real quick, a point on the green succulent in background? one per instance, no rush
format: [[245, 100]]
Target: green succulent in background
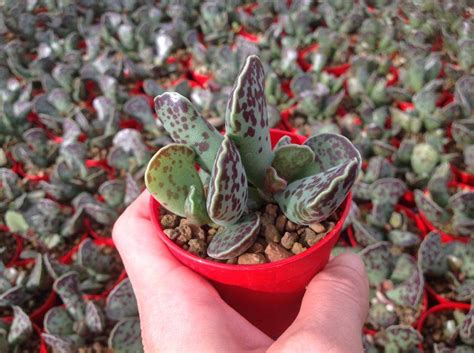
[[451, 263], [292, 175], [18, 332], [450, 209]]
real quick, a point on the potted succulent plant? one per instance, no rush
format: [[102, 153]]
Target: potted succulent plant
[[396, 338], [447, 268], [446, 206], [247, 202], [397, 287], [447, 327]]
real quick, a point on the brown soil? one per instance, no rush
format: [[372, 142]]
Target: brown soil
[[278, 238], [444, 286], [433, 328], [31, 345], [94, 348]]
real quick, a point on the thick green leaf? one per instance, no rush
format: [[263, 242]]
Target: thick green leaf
[[125, 337], [290, 160]]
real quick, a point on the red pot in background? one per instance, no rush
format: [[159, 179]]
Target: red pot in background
[[268, 295], [448, 306], [446, 237], [462, 176], [398, 208]]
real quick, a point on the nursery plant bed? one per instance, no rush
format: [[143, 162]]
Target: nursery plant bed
[[268, 294]]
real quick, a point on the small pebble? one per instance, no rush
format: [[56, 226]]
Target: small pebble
[[271, 234], [197, 246], [257, 247], [169, 221], [280, 223], [276, 252], [290, 226], [317, 227], [251, 259], [297, 248], [288, 240], [311, 238]]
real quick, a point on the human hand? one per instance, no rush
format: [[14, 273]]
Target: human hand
[[181, 312]]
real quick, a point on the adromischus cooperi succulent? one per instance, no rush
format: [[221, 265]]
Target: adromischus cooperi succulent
[[309, 182], [450, 209]]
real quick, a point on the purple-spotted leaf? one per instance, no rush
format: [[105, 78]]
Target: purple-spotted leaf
[[430, 209], [21, 327], [195, 207], [126, 337], [424, 159], [60, 344], [378, 262], [246, 120], [232, 241], [290, 160], [378, 168], [330, 150], [169, 176], [365, 234], [14, 296], [462, 225], [272, 182], [438, 184], [138, 107], [410, 292], [463, 132], [186, 126], [463, 203], [113, 192], [315, 198], [405, 338], [57, 321], [387, 190], [89, 256], [283, 141], [132, 189], [38, 278], [405, 265], [382, 148], [67, 287], [95, 320], [464, 290], [228, 193], [431, 256], [121, 302]]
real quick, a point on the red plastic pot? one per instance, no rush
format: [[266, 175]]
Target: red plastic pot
[[398, 208], [462, 176], [448, 306], [268, 295], [446, 237]]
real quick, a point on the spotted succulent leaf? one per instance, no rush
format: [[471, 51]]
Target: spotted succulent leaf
[[233, 240], [21, 327], [403, 238], [432, 211], [227, 195], [463, 203], [365, 234], [113, 192], [246, 120], [67, 287], [378, 262], [94, 318], [126, 336], [121, 302], [405, 265], [57, 321], [283, 141], [378, 168], [330, 150], [289, 160], [89, 256], [405, 338], [463, 132], [60, 344], [170, 174], [431, 257], [466, 331], [438, 184], [387, 190], [139, 108], [424, 159], [410, 292], [14, 296], [315, 198], [186, 126], [379, 317]]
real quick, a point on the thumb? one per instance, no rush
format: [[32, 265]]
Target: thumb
[[333, 310]]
